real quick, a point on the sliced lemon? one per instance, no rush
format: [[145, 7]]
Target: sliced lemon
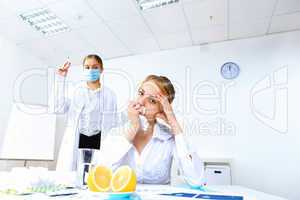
[[123, 180], [99, 179]]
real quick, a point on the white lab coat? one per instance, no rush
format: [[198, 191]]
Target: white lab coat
[[67, 157]]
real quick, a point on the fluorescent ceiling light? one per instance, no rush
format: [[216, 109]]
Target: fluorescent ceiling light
[[44, 21], [148, 4]]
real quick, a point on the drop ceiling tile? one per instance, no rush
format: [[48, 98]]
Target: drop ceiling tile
[[47, 2], [165, 20], [114, 9], [18, 31], [248, 29], [209, 34], [287, 6], [134, 34], [104, 41], [174, 40], [250, 10], [80, 15], [20, 7], [142, 45], [39, 48], [188, 1], [206, 12], [130, 28], [285, 22], [5, 11], [72, 42]]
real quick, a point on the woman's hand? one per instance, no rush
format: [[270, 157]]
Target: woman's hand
[[134, 109], [168, 115], [63, 70]]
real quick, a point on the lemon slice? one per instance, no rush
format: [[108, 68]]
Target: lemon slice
[[123, 180], [99, 179]]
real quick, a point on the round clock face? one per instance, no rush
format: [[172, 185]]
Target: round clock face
[[230, 70]]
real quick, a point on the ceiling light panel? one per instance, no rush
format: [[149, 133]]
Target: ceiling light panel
[[149, 4], [44, 21]]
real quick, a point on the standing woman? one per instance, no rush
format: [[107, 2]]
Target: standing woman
[[91, 109]]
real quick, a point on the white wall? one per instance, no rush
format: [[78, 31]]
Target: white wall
[[14, 63], [263, 158]]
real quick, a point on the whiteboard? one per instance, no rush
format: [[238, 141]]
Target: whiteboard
[[30, 133]]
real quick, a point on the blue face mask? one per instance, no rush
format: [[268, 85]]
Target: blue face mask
[[91, 74]]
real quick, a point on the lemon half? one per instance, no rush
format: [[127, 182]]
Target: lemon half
[[123, 180], [99, 179]]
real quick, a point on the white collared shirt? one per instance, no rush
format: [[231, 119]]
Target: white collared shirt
[[153, 165]]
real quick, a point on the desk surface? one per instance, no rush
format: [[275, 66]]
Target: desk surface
[[151, 192], [248, 194]]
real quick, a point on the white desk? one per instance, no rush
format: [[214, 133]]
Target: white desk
[[149, 192], [248, 194]]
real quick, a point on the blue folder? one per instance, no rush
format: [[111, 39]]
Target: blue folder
[[204, 196]]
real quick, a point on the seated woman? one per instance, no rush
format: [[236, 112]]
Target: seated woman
[[151, 138]]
